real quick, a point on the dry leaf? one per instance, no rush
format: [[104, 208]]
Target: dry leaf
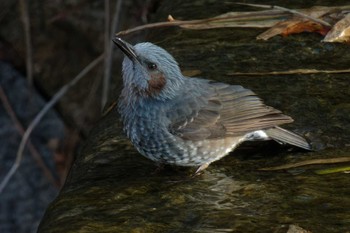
[[340, 31], [260, 19], [293, 26], [304, 26], [315, 19], [320, 11]]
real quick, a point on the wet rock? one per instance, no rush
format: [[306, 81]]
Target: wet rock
[[112, 188]]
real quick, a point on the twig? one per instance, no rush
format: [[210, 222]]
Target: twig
[[308, 162], [108, 53], [109, 50], [163, 24], [172, 22], [320, 21], [236, 16], [296, 71], [28, 42], [33, 151], [40, 115]]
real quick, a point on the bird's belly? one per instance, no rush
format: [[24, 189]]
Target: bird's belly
[[210, 150], [170, 149]]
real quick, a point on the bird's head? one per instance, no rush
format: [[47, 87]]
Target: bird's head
[[149, 70]]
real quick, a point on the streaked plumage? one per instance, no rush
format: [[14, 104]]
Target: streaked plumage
[[185, 121]]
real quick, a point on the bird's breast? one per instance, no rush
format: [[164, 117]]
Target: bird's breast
[[142, 121]]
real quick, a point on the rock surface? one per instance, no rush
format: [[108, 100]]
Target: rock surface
[[111, 188]]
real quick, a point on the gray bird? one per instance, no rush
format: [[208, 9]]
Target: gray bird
[[183, 121]]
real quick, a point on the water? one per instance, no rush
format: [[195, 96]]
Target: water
[[112, 188]]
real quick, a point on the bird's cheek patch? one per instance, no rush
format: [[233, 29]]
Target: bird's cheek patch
[[156, 83]]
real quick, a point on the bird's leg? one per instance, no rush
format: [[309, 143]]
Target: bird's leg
[[201, 168]]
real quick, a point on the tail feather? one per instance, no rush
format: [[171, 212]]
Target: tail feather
[[285, 136]]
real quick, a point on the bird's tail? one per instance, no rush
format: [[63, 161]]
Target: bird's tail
[[286, 136]]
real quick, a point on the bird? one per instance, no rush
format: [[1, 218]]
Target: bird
[[189, 121]]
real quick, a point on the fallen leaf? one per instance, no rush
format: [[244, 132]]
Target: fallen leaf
[[280, 20], [260, 19], [293, 26], [340, 31], [305, 26]]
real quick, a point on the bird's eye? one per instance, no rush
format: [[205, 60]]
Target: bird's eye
[[151, 66]]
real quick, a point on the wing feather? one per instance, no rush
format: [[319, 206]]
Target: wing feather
[[217, 110]]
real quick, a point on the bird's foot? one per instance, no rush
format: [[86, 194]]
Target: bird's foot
[[201, 168]]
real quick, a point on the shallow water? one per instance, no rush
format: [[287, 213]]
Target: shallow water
[[111, 188]]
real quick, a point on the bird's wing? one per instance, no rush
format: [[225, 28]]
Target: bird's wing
[[221, 110], [243, 112]]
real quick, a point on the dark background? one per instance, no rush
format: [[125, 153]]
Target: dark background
[[65, 37]]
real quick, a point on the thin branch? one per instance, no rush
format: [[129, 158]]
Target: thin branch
[[107, 73], [33, 151], [308, 162], [172, 22], [320, 21], [296, 71], [109, 51], [163, 24], [28, 41], [40, 115], [275, 12], [10, 111]]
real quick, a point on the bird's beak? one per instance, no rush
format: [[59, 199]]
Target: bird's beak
[[126, 48]]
